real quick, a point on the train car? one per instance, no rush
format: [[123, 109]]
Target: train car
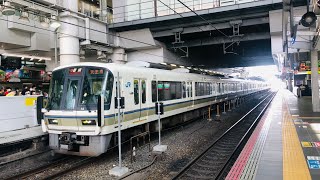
[[72, 120]]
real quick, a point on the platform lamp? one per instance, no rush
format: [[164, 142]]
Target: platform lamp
[[24, 16], [8, 10], [54, 22], [44, 21], [309, 18]]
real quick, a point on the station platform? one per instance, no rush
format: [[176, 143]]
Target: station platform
[[20, 135], [284, 145]]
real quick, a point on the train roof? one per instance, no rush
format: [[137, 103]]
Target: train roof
[[127, 68]]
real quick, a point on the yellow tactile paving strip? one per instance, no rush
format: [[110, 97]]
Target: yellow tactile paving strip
[[294, 162]]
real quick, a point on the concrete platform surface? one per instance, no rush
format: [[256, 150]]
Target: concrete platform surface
[[285, 143]]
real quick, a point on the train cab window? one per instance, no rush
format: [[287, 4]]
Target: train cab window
[[143, 93], [56, 89], [93, 83], [71, 94], [136, 91]]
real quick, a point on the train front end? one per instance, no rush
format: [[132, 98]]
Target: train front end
[[71, 117]]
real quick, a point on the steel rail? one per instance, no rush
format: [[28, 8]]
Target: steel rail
[[40, 169]]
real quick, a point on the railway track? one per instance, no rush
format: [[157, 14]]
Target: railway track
[[214, 160], [54, 169]]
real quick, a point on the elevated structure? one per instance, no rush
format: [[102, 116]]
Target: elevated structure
[[235, 33]]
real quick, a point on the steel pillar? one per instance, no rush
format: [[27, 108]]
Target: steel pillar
[[224, 108], [315, 81], [229, 104], [68, 36], [218, 110]]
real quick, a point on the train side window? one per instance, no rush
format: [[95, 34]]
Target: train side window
[[222, 88], [167, 91], [201, 88], [154, 91], [184, 90], [205, 89], [143, 93], [108, 92], [189, 86], [197, 89], [160, 91], [213, 88], [178, 90], [190, 92], [136, 91]]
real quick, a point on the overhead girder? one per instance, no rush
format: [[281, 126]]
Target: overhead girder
[[224, 25], [220, 40]]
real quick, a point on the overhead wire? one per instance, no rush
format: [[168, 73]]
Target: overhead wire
[[176, 12], [204, 19]]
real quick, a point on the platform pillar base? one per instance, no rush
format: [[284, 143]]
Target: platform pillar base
[[160, 148], [117, 171]]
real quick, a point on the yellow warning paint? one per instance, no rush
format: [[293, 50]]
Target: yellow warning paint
[[294, 162], [306, 144], [30, 101]]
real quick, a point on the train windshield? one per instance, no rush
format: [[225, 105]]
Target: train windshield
[[78, 88]]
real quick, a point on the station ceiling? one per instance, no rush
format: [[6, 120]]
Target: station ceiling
[[206, 41]]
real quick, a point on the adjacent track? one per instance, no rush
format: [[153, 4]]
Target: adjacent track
[[54, 169], [212, 162]]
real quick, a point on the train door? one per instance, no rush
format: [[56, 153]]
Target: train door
[[121, 94], [140, 98], [189, 92]]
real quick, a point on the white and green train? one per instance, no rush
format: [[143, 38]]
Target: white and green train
[[72, 119]]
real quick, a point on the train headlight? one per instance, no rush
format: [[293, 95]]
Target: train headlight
[[88, 122], [53, 121]]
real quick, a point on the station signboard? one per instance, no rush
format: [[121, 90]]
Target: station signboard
[[313, 162]]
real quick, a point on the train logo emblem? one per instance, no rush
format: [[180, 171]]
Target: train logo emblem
[[128, 84]]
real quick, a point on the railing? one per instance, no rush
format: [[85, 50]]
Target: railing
[[155, 8], [143, 9]]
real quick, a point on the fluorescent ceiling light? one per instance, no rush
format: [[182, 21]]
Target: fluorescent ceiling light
[[24, 16], [54, 22], [8, 9]]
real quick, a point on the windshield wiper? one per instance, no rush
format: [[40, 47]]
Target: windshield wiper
[[87, 106], [50, 101]]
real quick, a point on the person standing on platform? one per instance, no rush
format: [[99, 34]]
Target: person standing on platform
[[8, 90], [2, 91], [25, 89]]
